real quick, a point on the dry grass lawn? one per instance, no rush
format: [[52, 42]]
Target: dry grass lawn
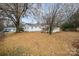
[[38, 44]]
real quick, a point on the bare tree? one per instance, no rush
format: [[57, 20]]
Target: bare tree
[[1, 28], [57, 14], [1, 25], [74, 19], [14, 12], [51, 16]]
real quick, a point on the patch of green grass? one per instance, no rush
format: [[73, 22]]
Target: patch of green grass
[[12, 52]]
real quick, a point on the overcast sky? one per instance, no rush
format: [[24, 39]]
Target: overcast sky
[[45, 8]]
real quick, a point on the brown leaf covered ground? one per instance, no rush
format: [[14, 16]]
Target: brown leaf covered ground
[[37, 44]]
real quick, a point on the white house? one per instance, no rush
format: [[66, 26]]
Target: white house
[[56, 29], [30, 28], [9, 29]]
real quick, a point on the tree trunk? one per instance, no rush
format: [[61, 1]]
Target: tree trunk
[[50, 29], [17, 19], [17, 27]]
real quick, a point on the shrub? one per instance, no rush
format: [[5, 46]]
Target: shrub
[[68, 27]]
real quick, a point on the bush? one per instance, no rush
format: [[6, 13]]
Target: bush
[[68, 27]]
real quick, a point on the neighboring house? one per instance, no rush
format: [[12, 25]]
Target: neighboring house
[[30, 28], [9, 29], [56, 29]]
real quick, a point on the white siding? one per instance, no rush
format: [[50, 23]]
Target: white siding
[[10, 29], [33, 29], [30, 29], [57, 29]]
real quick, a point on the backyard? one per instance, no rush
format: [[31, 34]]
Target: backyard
[[38, 44]]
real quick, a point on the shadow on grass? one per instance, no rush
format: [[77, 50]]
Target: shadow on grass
[[2, 37], [75, 44]]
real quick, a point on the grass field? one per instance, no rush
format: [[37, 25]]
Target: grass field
[[38, 44]]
